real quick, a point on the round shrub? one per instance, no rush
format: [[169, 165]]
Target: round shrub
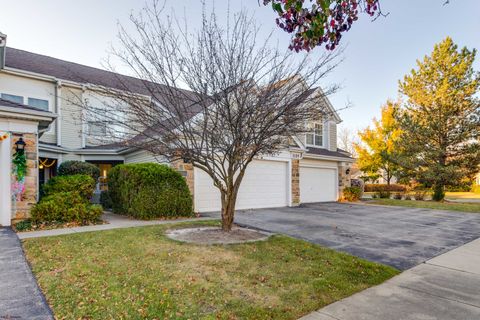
[[106, 200], [148, 191], [65, 207], [73, 167], [82, 184], [352, 193]]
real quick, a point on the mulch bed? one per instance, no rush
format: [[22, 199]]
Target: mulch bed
[[215, 235]]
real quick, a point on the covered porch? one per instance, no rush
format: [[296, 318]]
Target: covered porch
[[20, 128]]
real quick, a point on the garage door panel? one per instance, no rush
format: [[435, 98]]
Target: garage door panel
[[318, 184], [264, 185]]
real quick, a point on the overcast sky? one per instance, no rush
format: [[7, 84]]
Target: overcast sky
[[377, 53]]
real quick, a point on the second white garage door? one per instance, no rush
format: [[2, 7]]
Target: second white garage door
[[318, 184], [265, 185]]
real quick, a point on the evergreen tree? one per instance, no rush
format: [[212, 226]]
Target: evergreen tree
[[440, 120]]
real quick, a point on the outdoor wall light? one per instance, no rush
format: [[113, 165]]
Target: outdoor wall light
[[20, 145], [347, 171]]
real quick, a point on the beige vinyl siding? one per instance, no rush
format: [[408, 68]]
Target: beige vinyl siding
[[31, 88], [142, 156], [50, 137], [332, 136], [71, 119]]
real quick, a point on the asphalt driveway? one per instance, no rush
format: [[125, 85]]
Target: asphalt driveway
[[20, 296], [396, 236]]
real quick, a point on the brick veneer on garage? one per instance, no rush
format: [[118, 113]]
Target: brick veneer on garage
[[344, 179], [295, 182], [21, 209]]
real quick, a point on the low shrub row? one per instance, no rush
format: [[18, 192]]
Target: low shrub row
[[352, 193], [384, 187], [148, 191], [65, 207], [67, 199], [417, 195]]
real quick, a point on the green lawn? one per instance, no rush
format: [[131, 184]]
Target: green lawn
[[453, 206], [462, 195], [138, 273]]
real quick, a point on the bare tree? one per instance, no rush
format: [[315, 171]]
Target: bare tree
[[347, 139], [217, 97]]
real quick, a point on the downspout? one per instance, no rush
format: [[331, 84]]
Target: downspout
[[58, 111], [3, 50]]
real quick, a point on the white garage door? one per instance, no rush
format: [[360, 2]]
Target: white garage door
[[265, 185], [318, 184]]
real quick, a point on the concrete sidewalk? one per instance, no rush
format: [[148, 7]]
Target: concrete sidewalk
[[445, 287], [115, 221], [20, 296]]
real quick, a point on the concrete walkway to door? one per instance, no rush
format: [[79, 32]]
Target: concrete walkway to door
[[20, 296], [445, 287]]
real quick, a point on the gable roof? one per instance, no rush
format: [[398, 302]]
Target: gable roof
[[71, 71]]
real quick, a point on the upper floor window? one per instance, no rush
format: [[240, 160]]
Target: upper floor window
[[97, 128], [12, 98], [315, 136], [38, 103]]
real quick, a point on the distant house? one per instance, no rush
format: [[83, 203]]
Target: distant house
[[34, 88]]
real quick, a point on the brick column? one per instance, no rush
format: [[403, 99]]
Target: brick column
[[186, 170], [344, 179], [295, 176], [21, 208]]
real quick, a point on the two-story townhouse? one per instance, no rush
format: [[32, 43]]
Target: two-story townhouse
[[313, 170]]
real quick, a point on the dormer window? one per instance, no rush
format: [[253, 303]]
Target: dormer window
[[315, 136]]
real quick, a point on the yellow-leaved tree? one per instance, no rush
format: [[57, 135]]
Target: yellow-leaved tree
[[377, 153]]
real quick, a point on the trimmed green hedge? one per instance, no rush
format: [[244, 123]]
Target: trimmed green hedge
[[82, 184], [148, 191], [73, 167], [65, 207], [384, 188]]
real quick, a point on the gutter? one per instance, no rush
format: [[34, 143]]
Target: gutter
[[320, 157], [59, 149]]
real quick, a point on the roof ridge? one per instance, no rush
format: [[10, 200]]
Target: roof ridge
[[75, 63]]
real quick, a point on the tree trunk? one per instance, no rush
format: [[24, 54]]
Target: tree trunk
[[438, 192], [229, 200]]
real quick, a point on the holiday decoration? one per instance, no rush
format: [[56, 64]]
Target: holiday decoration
[[19, 170], [3, 136]]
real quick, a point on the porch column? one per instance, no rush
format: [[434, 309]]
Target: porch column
[[5, 182]]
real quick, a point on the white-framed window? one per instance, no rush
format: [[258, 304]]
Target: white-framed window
[[315, 135], [38, 103], [97, 128], [12, 98]]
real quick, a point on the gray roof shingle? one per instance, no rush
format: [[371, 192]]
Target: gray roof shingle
[[325, 152]]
